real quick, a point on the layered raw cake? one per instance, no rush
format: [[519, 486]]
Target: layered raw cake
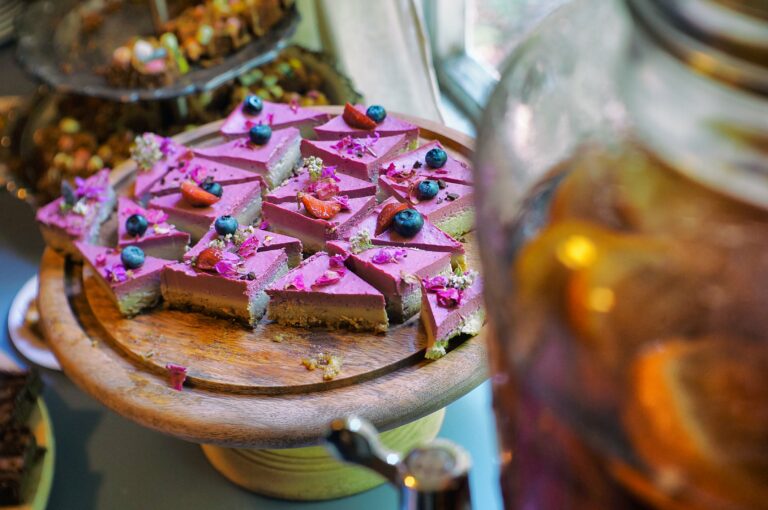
[[78, 214], [154, 156], [449, 205], [224, 283], [201, 170], [261, 239], [149, 230], [276, 115], [354, 124], [428, 238], [416, 164], [132, 282], [273, 160], [451, 306], [192, 209], [395, 272], [316, 221], [323, 292], [315, 178], [358, 157]]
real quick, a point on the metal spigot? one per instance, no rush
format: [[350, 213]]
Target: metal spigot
[[431, 477]]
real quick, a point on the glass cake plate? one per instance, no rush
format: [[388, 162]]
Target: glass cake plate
[[48, 46]]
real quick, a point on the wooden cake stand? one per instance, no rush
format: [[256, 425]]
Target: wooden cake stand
[[256, 411]]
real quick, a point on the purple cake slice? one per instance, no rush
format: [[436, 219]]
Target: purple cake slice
[[395, 272], [429, 238], [296, 221], [153, 234], [274, 161], [263, 240], [155, 156], [451, 209], [78, 214], [277, 115], [322, 292], [414, 164], [451, 306], [243, 201], [337, 128], [358, 157], [317, 179], [199, 169], [132, 290], [224, 283]]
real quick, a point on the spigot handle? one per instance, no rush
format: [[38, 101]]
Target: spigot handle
[[356, 441]]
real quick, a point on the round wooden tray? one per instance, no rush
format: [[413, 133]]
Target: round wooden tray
[[247, 390]]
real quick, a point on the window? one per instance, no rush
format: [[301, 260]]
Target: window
[[471, 40]]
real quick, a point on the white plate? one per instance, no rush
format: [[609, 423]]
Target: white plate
[[26, 341]]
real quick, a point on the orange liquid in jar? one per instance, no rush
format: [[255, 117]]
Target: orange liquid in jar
[[635, 374]]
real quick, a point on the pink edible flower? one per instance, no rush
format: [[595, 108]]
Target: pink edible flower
[[388, 256], [448, 298], [293, 104], [327, 278], [436, 283], [270, 118], [264, 225], [329, 172], [116, 273], [178, 375], [297, 283], [343, 201], [400, 174], [166, 146], [156, 216], [101, 259], [249, 247]]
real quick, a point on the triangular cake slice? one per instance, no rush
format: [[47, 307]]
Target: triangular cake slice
[[155, 156], [414, 163], [429, 238], [295, 220], [451, 307], [243, 201], [274, 161], [199, 169], [161, 239], [452, 209], [311, 182], [337, 128], [322, 292], [358, 157], [224, 283], [263, 240], [395, 272], [78, 214], [132, 290], [277, 115]]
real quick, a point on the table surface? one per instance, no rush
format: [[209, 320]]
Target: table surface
[[106, 461]]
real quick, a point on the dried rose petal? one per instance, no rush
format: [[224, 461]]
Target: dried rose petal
[[264, 225], [436, 283], [227, 268], [388, 256], [198, 174], [324, 189], [178, 374], [343, 201], [248, 247], [155, 216], [101, 259], [329, 172], [448, 298], [327, 278], [297, 283]]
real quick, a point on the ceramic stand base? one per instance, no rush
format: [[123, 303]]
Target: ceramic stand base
[[311, 474]]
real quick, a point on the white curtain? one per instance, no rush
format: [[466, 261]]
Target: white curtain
[[382, 45]]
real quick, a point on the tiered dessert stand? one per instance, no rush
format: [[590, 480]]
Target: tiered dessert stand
[[256, 411]]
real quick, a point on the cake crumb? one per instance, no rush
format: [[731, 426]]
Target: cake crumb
[[330, 363]]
